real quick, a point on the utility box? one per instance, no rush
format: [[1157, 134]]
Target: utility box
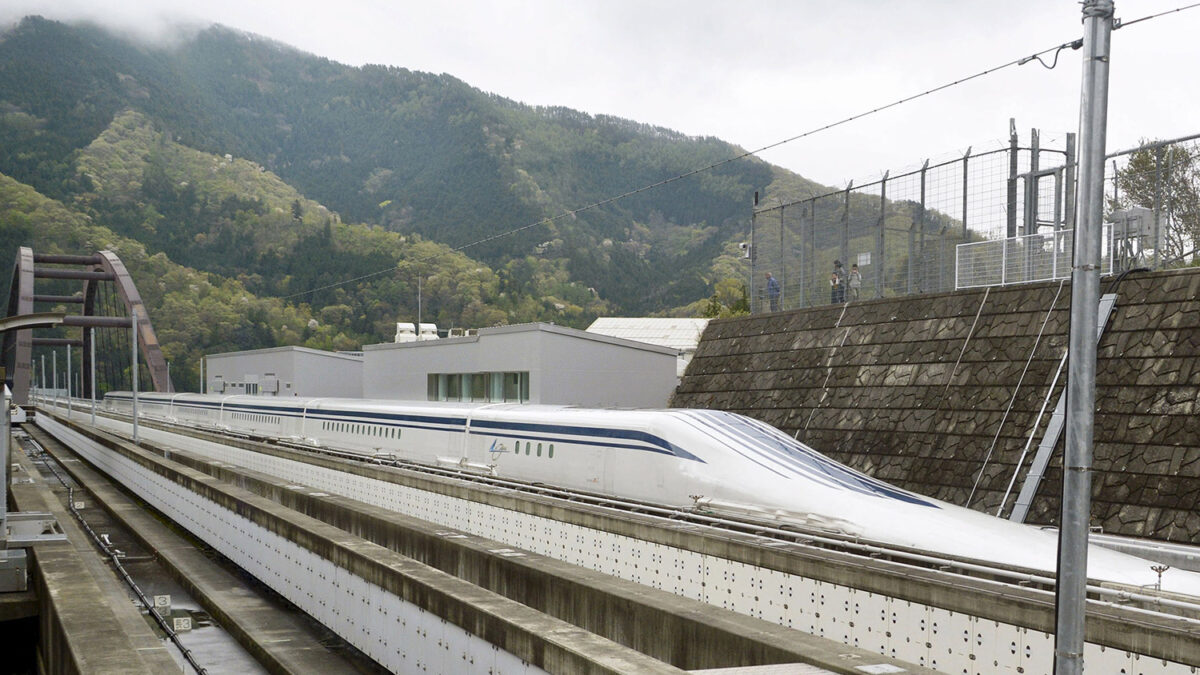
[[405, 332]]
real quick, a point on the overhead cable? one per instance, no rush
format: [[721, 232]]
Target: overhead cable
[[1074, 44]]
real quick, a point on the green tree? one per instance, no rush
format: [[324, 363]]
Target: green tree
[[1168, 178], [729, 298]]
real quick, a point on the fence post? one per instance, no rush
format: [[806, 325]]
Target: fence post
[[921, 287], [845, 257], [1014, 151], [812, 239], [1031, 204], [783, 287], [1158, 175], [750, 252], [911, 246], [880, 264], [966, 190], [800, 252]]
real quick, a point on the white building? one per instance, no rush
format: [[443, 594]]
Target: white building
[[529, 363], [285, 371], [682, 335]]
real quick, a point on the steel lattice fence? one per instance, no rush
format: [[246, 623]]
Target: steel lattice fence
[[998, 216]]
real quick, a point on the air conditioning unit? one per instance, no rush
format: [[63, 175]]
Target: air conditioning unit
[[406, 332]]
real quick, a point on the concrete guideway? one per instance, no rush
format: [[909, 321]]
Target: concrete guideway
[[861, 600], [674, 629], [86, 620], [666, 632], [945, 620], [275, 639]]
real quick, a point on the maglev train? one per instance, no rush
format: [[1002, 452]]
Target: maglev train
[[675, 457]]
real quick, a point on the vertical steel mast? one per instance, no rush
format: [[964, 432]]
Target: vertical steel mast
[[1081, 381]]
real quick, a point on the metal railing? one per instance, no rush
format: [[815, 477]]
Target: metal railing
[[1024, 259]]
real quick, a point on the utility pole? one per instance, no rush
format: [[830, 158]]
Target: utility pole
[[1071, 591]]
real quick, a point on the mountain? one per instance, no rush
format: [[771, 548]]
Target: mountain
[[413, 153], [264, 196]]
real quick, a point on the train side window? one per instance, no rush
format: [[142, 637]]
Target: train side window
[[550, 453], [539, 450]]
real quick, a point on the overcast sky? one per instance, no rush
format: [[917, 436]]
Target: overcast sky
[[752, 73]]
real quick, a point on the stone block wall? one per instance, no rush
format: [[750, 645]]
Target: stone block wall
[[942, 394]]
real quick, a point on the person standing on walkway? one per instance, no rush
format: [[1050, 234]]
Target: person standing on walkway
[[773, 292], [837, 283], [855, 281]]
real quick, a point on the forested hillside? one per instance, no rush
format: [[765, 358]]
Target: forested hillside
[[278, 176], [411, 152]]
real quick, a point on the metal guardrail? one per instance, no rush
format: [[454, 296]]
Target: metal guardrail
[[1024, 259]]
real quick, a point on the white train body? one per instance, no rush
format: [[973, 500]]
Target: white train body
[[674, 457]]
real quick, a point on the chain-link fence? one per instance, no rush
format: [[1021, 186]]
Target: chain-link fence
[[1152, 198], [897, 235], [1010, 207]]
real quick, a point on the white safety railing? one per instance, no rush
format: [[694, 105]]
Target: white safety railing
[[1022, 260]]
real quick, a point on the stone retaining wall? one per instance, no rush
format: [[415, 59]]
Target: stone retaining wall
[[941, 394]]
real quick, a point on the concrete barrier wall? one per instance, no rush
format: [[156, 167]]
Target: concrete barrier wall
[[941, 394]]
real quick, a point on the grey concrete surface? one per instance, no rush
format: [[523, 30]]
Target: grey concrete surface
[[87, 623]]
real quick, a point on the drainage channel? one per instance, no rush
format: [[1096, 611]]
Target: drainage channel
[[201, 644]]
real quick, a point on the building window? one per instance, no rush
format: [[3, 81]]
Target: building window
[[484, 387], [479, 386]]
